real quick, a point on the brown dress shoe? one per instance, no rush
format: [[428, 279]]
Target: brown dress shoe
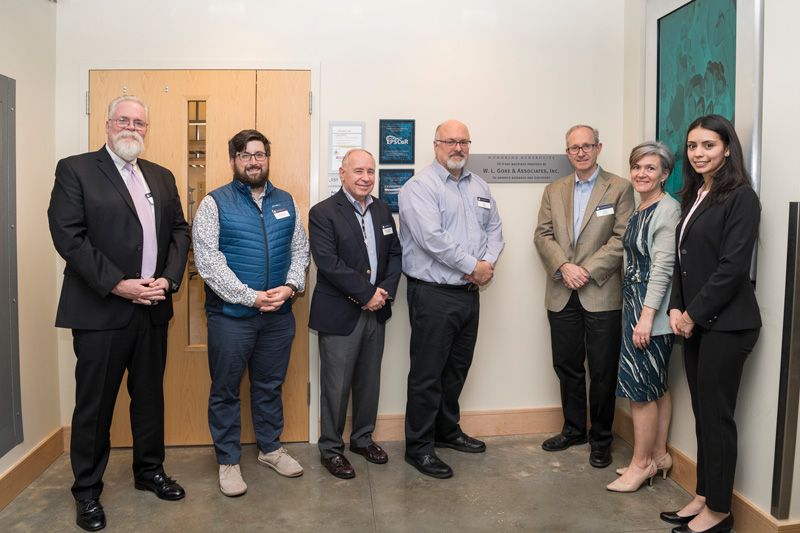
[[339, 466], [371, 452]]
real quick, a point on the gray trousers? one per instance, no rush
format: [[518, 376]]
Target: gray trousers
[[350, 361]]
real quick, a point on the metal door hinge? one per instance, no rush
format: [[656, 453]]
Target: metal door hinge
[[308, 392], [310, 100], [87, 102]]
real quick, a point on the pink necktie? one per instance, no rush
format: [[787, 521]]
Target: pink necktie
[[146, 219]]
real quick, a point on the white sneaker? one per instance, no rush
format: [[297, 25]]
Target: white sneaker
[[230, 480], [281, 462]]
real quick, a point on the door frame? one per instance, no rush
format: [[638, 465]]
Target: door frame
[[82, 120]]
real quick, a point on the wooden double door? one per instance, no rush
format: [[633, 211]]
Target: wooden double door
[[193, 114]]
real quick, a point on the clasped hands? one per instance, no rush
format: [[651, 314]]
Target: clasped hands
[[272, 299], [377, 301], [574, 276], [681, 323], [147, 291], [483, 274]]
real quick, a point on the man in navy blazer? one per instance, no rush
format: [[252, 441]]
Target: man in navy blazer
[[358, 256], [118, 223]]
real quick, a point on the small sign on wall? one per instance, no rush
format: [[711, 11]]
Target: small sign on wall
[[397, 142], [520, 168]]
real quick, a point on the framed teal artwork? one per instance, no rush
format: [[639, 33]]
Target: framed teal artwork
[[703, 57]]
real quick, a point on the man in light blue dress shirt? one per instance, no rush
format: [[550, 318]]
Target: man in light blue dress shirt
[[451, 235]]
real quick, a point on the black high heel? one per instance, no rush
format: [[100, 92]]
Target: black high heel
[[672, 517], [723, 527]]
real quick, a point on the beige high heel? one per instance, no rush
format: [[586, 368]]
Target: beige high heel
[[666, 459], [648, 474], [663, 463]]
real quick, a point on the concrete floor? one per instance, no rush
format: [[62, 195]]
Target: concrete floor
[[513, 486]]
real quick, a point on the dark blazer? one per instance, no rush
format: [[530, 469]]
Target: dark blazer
[[343, 271], [711, 280], [96, 230]]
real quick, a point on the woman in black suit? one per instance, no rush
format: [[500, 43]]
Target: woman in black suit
[[713, 306]]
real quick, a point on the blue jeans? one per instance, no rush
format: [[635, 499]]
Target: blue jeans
[[263, 344]]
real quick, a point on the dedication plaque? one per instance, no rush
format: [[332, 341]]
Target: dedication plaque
[[520, 168]]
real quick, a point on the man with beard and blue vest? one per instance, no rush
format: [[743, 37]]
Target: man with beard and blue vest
[[251, 249]]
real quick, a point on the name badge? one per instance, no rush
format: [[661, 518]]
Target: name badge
[[484, 203], [604, 210], [149, 197], [280, 213], [387, 229]]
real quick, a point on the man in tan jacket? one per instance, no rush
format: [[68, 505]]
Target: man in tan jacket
[[579, 239]]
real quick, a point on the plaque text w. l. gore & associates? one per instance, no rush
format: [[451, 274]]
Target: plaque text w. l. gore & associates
[[520, 168]]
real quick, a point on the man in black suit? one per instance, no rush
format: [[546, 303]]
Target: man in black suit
[[118, 223], [355, 246]]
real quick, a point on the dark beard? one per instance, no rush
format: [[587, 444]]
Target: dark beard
[[258, 182]]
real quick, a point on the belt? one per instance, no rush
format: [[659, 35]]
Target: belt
[[464, 287]]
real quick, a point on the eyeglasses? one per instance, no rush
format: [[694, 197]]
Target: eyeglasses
[[450, 143], [124, 122], [244, 157], [587, 149]]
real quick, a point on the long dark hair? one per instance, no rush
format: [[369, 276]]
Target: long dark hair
[[731, 175]]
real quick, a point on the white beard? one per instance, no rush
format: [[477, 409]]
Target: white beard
[[128, 145], [456, 165]]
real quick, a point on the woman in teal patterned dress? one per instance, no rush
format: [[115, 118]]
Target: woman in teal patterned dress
[[649, 257]]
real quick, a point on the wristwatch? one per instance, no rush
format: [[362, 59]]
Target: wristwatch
[[294, 289], [173, 287]]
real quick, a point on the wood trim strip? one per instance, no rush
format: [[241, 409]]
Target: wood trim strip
[[22, 474]]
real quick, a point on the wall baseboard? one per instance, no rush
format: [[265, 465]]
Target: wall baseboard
[[477, 423], [749, 518], [22, 474]]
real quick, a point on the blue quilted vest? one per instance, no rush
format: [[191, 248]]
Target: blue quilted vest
[[258, 249]]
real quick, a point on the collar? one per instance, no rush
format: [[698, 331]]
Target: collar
[[591, 179], [444, 173], [245, 189], [356, 204], [119, 162]]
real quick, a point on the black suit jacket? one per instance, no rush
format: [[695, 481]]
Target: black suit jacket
[[343, 271], [711, 279], [96, 230]]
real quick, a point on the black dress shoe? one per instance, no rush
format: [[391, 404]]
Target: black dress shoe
[[562, 442], [672, 517], [600, 456], [723, 527], [464, 443], [430, 465], [371, 452], [164, 487], [339, 466], [91, 516]]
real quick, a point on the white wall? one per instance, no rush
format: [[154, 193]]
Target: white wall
[[779, 186], [27, 41]]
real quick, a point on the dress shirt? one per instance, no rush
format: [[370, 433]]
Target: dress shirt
[[444, 230], [702, 192], [364, 217], [580, 199], [213, 267], [120, 164]]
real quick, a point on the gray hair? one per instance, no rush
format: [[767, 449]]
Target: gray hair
[[595, 132], [127, 98], [346, 158], [654, 148]]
